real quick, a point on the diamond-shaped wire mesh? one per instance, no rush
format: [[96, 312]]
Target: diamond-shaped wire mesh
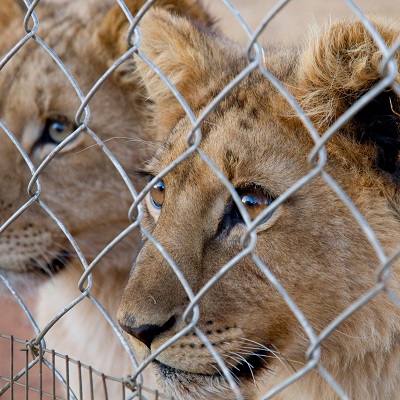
[[73, 129]]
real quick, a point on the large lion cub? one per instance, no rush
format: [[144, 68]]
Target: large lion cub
[[311, 242]]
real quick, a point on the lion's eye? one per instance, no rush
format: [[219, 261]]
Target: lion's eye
[[255, 200], [157, 194], [57, 129], [255, 203]]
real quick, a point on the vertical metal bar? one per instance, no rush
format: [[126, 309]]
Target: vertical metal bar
[[80, 380], [26, 374], [12, 367], [40, 372], [91, 383], [103, 377], [53, 371], [67, 375]]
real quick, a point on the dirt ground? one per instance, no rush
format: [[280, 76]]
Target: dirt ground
[[288, 27]]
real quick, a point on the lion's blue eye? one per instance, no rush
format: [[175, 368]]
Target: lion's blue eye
[[157, 193], [57, 129]]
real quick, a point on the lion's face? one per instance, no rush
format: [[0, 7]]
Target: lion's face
[[310, 242], [80, 185]]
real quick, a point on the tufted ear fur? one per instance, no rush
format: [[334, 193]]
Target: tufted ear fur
[[110, 38], [341, 64], [189, 55]]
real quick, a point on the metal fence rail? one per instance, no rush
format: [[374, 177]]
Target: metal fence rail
[[36, 372]]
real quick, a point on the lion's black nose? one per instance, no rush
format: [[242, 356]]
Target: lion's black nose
[[145, 333]]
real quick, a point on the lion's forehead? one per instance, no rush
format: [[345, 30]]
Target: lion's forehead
[[247, 147], [33, 83]]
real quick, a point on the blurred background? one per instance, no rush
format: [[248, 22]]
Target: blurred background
[[291, 24]]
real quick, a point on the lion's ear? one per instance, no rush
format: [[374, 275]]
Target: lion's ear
[[188, 55], [340, 65], [110, 39]]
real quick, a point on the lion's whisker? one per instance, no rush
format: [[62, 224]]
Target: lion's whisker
[[236, 379], [248, 364], [148, 142], [251, 350], [60, 258], [127, 138], [234, 376], [232, 365], [43, 266], [275, 353], [63, 247]]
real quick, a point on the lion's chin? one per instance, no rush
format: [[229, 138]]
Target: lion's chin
[[185, 385], [20, 281], [191, 386]]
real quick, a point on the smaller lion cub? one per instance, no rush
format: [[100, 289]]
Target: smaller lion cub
[[310, 242], [81, 184]]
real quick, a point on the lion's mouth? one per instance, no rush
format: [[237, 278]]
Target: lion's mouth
[[242, 372], [50, 267], [170, 373], [33, 272], [40, 266], [189, 385]]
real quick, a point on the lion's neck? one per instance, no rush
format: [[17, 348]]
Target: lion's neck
[[372, 375]]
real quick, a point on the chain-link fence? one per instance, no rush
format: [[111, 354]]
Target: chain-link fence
[[75, 125]]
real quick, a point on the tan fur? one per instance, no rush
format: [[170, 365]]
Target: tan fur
[[311, 243], [338, 62], [81, 186]]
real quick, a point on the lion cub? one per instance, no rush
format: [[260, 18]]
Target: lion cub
[[310, 241], [81, 186]]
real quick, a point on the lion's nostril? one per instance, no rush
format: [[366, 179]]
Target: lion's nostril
[[146, 333]]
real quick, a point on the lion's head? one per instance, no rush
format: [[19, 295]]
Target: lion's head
[[80, 186], [310, 243]]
